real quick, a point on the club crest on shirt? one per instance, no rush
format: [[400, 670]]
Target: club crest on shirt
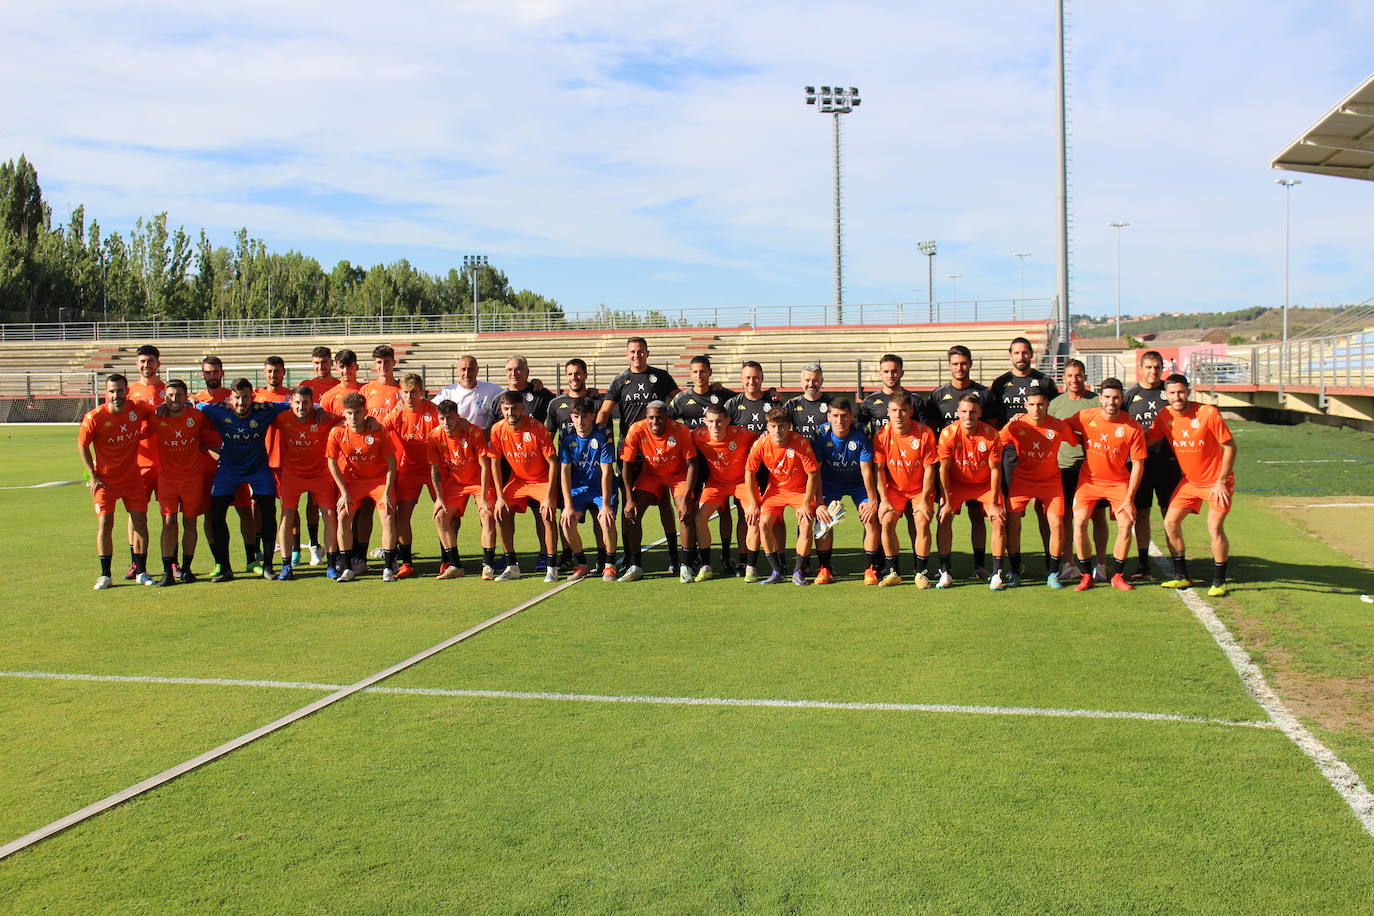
[[1196, 424], [915, 443], [854, 446], [653, 378], [596, 444], [253, 424], [314, 427], [1049, 434], [982, 446], [133, 415], [791, 453], [733, 445], [1121, 432], [715, 399], [529, 396], [672, 440], [528, 435], [190, 422]]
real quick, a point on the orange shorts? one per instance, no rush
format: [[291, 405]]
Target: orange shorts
[[321, 488], [656, 486], [456, 498], [960, 493], [775, 500], [1190, 496], [148, 477], [900, 499], [720, 495], [359, 489], [181, 496], [408, 486], [520, 493], [131, 492], [1050, 493], [1091, 492]]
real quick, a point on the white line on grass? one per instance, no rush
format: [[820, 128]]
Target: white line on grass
[[39, 486], [213, 754], [1310, 461], [1049, 712], [1341, 777], [1323, 506]]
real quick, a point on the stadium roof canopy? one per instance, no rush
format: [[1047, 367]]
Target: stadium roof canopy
[[1341, 143]]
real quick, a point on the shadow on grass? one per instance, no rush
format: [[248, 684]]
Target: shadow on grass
[[1261, 574]]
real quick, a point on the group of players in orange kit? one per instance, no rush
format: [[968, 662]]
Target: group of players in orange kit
[[744, 458]]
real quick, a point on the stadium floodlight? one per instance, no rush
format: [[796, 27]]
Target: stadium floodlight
[[836, 101], [1118, 227], [1287, 184], [927, 248], [473, 263]]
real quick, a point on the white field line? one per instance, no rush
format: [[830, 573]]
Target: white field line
[[1341, 777], [1040, 711], [228, 747], [1323, 506], [1311, 461], [39, 486]]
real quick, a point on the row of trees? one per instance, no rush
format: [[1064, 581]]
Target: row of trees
[[77, 272]]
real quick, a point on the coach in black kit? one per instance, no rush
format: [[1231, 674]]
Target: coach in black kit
[[689, 407], [872, 412], [750, 407], [943, 407], [1162, 473], [810, 410]]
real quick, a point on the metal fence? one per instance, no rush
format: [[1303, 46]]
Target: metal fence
[[763, 316], [1338, 361]]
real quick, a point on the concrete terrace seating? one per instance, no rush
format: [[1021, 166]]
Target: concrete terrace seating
[[849, 355]]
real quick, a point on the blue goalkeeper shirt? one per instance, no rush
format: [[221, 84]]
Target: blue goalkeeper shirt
[[244, 452], [840, 458]]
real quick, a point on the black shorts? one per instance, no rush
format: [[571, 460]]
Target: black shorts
[[1157, 484], [1068, 477]]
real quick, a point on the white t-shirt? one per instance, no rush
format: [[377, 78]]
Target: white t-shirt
[[474, 404]]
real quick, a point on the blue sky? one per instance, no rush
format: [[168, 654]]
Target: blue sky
[[661, 155]]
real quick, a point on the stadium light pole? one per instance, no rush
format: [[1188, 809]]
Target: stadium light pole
[[1020, 257], [1287, 184], [927, 248], [1063, 156], [104, 288], [836, 101], [954, 286], [472, 263], [1118, 227]]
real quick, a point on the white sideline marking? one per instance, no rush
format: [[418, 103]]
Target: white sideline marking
[[1341, 777], [39, 486], [168, 775], [1049, 712], [1311, 461], [213, 754], [1324, 506]]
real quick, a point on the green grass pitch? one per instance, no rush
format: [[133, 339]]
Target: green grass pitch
[[540, 797]]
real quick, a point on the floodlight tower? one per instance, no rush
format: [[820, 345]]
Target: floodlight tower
[[1118, 227], [473, 264], [836, 101], [927, 248], [1287, 184]]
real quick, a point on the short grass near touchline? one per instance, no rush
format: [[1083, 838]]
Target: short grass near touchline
[[418, 804], [37, 454], [1315, 460], [67, 744]]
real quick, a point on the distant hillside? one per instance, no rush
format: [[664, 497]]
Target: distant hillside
[[1256, 323]]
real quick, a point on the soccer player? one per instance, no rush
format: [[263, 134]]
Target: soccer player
[[810, 410], [303, 434], [689, 407], [559, 419], [362, 461], [970, 471], [149, 390], [181, 436], [212, 373], [749, 409], [724, 450], [114, 431], [1077, 396], [332, 400], [845, 455], [794, 480], [322, 361], [1008, 393], [460, 468], [873, 408], [242, 426], [1115, 463], [586, 457], [628, 395], [1036, 437], [1206, 453], [657, 453], [518, 381], [1144, 401], [382, 395], [410, 426], [526, 447], [476, 400], [905, 459], [942, 409]]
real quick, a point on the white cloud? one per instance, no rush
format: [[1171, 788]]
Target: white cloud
[[670, 143]]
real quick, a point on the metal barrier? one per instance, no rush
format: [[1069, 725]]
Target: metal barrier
[[763, 316], [1340, 361]]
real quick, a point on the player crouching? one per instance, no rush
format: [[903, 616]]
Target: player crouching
[[460, 468], [793, 480], [1036, 436], [905, 452], [586, 457], [724, 450], [656, 453], [362, 461], [527, 447], [971, 471]]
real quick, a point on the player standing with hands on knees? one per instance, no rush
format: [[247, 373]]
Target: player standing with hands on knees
[[794, 480], [970, 471], [1112, 470], [362, 461]]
